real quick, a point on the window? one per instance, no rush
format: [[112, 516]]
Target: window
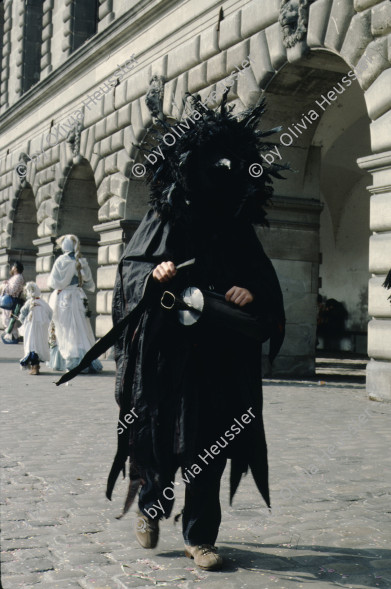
[[84, 21], [32, 40]]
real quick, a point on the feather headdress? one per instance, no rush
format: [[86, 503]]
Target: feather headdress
[[212, 164]]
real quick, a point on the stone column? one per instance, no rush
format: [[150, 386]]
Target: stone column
[[109, 252], [295, 221], [44, 262], [113, 237], [379, 328]]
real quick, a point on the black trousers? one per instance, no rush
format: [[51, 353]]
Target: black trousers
[[202, 513]]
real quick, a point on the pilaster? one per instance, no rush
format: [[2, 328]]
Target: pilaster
[[67, 28], [295, 221], [21, 15], [379, 308], [44, 261], [47, 32], [106, 14], [113, 236], [5, 63]]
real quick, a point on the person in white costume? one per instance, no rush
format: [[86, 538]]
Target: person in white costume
[[35, 317], [69, 276]]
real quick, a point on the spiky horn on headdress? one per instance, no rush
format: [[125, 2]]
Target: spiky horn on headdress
[[387, 283]]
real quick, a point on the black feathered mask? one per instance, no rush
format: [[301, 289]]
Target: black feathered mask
[[206, 168]]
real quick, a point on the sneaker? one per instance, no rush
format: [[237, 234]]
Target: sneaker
[[205, 556], [147, 530]]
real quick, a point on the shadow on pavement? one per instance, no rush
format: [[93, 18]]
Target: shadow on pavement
[[326, 563]]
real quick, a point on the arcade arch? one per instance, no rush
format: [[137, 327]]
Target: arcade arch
[[24, 232], [321, 211]]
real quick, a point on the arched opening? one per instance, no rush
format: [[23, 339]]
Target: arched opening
[[24, 231], [78, 213], [343, 135], [320, 217]]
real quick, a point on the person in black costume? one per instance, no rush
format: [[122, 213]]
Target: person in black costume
[[188, 384], [190, 396]]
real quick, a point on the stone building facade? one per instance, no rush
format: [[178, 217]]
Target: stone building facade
[[74, 79]]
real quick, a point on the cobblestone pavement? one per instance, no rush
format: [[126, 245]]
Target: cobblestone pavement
[[330, 484]]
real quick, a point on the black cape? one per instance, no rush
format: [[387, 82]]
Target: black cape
[[188, 384]]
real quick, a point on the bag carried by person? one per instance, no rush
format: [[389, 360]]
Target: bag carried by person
[[194, 305]]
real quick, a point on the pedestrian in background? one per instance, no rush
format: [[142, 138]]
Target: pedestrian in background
[[14, 288], [69, 276], [35, 317]]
